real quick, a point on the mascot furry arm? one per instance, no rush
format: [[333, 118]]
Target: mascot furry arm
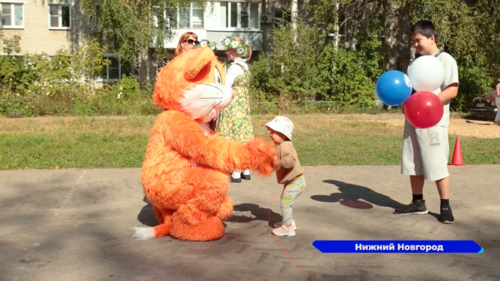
[[185, 173]]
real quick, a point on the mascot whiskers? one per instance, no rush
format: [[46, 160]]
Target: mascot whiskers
[[185, 173]]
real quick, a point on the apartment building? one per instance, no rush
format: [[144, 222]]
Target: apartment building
[[47, 26], [44, 26], [220, 19]]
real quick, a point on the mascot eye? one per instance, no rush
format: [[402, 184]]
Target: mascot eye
[[218, 79]]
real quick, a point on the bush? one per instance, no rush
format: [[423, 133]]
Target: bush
[[39, 85], [355, 74], [292, 71], [474, 81], [311, 70]]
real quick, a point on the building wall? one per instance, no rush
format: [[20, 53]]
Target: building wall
[[214, 31], [38, 37]]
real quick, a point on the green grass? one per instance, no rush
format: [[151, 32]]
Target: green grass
[[121, 142]]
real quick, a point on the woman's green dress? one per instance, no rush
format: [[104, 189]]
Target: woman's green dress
[[235, 122]]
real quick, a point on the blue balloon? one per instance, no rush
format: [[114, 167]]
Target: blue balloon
[[393, 87]]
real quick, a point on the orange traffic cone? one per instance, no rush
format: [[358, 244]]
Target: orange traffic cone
[[457, 155]]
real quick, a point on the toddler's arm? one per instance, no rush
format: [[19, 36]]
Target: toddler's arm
[[287, 161]]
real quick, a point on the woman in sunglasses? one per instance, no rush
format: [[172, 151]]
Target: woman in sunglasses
[[188, 41], [234, 121]]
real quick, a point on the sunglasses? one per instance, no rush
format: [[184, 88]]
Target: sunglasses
[[191, 41]]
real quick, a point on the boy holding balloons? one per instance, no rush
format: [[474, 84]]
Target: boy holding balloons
[[426, 149]]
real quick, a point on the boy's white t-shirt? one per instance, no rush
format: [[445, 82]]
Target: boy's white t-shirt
[[235, 70], [450, 77]]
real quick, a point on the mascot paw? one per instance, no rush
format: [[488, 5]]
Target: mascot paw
[[263, 154], [143, 233]]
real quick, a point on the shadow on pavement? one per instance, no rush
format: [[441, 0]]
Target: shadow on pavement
[[91, 240], [147, 217], [260, 213], [350, 194]]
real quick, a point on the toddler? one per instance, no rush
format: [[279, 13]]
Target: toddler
[[288, 172]]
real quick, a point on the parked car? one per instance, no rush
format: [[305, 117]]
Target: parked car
[[484, 107]]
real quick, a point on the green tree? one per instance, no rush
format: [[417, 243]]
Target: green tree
[[128, 27], [292, 70], [466, 29], [308, 69], [11, 63], [486, 15]]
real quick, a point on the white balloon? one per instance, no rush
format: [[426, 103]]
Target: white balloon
[[426, 73]]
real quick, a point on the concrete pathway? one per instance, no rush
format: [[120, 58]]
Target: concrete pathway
[[76, 225]]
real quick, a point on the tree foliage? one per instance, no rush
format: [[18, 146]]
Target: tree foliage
[[128, 27], [29, 80], [316, 66], [309, 69], [377, 39], [468, 30], [292, 71]]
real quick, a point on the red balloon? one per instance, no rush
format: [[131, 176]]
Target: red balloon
[[424, 109]]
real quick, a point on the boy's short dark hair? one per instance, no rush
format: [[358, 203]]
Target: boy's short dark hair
[[424, 27]]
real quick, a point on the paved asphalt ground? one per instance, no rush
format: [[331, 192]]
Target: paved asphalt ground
[[76, 225]]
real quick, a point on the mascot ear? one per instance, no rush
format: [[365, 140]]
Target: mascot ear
[[200, 65]]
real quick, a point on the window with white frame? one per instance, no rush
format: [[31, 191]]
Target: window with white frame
[[59, 16], [170, 16], [114, 70], [183, 17], [190, 17], [240, 15], [12, 15]]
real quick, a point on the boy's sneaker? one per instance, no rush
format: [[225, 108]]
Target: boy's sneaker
[[279, 224], [416, 207], [284, 230], [446, 215]]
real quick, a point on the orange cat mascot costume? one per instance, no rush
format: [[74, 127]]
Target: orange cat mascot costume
[[185, 173]]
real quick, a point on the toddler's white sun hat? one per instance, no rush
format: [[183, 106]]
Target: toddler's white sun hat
[[283, 125]]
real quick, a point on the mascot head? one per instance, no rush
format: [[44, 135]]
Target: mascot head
[[193, 83]]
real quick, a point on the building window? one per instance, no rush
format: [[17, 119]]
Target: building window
[[59, 17], [343, 29], [190, 17], [183, 17], [12, 15], [343, 26], [281, 18], [95, 17], [240, 15], [114, 70]]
